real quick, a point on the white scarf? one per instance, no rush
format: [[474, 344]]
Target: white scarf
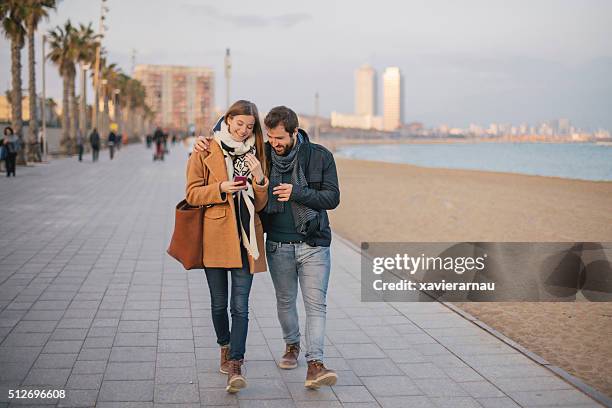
[[245, 199]]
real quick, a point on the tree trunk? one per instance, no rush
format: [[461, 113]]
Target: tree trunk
[[96, 109], [74, 109], [128, 118], [66, 116], [83, 104], [33, 127], [106, 115], [16, 97]]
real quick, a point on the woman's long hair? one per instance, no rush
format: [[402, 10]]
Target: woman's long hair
[[243, 107]]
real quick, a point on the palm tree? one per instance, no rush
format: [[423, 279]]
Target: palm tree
[[137, 105], [109, 74], [35, 11], [85, 42], [12, 13], [61, 53]]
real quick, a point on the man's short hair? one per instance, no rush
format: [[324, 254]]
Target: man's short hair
[[282, 115]]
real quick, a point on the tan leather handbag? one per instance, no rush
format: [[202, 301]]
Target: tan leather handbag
[[187, 243]]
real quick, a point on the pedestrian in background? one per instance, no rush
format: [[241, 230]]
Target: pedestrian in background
[[94, 140], [112, 140], [80, 143], [12, 146]]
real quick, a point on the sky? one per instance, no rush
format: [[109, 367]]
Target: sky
[[470, 61]]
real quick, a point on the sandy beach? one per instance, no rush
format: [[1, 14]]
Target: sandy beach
[[400, 202]]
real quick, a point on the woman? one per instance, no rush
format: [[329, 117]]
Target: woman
[[12, 147], [233, 235]]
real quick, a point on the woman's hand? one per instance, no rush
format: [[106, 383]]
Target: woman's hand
[[254, 167], [231, 187], [202, 144]]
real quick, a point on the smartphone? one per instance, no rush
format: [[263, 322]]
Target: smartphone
[[240, 179]]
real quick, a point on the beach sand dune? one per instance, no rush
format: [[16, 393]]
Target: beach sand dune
[[400, 202]]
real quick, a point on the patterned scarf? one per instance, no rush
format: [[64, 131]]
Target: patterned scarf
[[235, 163], [282, 165]]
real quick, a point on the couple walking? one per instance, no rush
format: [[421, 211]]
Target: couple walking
[[282, 187]]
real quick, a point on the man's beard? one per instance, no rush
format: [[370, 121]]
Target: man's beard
[[287, 149]]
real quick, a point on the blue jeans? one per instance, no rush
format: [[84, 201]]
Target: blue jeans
[[288, 264], [239, 306]]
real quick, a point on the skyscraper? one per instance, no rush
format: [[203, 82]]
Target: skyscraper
[[392, 99], [365, 91], [179, 96]]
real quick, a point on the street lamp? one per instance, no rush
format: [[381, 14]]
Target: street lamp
[[44, 104], [101, 29], [83, 115], [116, 93], [228, 75]]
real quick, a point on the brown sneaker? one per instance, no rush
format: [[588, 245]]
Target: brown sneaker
[[289, 360], [318, 375], [235, 379], [224, 365]]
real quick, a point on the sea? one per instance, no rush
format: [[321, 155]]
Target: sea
[[583, 161]]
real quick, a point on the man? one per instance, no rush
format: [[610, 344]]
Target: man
[[112, 140], [303, 186], [159, 138], [80, 144], [94, 140]]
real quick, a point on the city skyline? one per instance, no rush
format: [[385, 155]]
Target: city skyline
[[550, 59]]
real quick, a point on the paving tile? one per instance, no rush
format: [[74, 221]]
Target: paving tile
[[481, 389], [79, 398], [440, 388], [422, 370], [179, 375], [55, 360], [89, 367], [47, 376], [95, 354], [63, 346], [404, 402], [264, 389], [353, 393], [301, 393], [178, 360], [84, 381], [176, 346], [556, 398], [361, 351], [133, 354], [126, 391], [374, 367], [455, 402], [391, 386]]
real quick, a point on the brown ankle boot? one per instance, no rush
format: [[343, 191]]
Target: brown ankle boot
[[289, 360], [224, 365], [235, 379], [318, 375]]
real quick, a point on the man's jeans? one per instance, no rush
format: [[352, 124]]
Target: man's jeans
[[288, 264], [241, 280]]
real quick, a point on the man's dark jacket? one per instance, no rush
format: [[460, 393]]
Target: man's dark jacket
[[322, 193]]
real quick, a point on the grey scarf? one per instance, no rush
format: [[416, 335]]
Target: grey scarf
[[282, 165]]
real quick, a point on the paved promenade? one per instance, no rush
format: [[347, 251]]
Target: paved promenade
[[91, 304]]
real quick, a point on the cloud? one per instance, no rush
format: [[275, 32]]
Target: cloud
[[286, 20]]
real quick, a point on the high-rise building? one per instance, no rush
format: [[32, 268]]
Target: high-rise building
[[392, 99], [365, 90], [179, 96]]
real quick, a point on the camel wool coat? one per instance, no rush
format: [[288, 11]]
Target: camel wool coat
[[205, 173]]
